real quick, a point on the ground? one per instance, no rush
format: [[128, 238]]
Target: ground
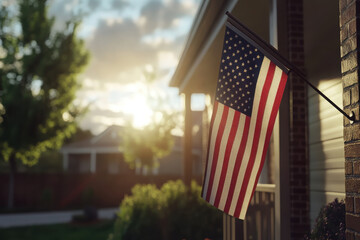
[[94, 231]]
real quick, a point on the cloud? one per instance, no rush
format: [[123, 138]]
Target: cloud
[[99, 119], [157, 14], [117, 47], [123, 38], [119, 4], [93, 4]]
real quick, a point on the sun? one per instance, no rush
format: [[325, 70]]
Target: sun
[[139, 110]]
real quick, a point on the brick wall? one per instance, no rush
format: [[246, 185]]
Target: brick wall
[[349, 40], [299, 161]]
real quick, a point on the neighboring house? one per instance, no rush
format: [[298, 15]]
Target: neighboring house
[[104, 154], [306, 158], [101, 154]]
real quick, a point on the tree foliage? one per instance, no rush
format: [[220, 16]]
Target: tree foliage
[[38, 80], [144, 147]]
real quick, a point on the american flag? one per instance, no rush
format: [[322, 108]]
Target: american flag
[[248, 96]]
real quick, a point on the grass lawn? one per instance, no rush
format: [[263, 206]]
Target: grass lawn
[[94, 231]]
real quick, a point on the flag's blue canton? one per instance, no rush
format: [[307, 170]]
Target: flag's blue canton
[[239, 70]]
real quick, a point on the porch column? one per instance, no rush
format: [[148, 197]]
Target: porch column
[[278, 39], [65, 161], [187, 141], [298, 169], [349, 50]]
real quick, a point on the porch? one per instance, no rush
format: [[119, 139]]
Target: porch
[[305, 158]]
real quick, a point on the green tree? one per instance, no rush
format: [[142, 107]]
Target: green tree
[[38, 79], [144, 147]]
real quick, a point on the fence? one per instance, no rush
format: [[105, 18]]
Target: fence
[[66, 191]]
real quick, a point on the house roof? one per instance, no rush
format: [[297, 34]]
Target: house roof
[[111, 140], [108, 139], [198, 67], [199, 41]]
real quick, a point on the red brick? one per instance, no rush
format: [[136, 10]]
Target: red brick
[[348, 14], [344, 32], [350, 79], [355, 94], [348, 46], [348, 168], [352, 27], [352, 185], [299, 192], [351, 133], [356, 168], [357, 204], [342, 5], [353, 149], [352, 222], [349, 63], [349, 204], [346, 98]]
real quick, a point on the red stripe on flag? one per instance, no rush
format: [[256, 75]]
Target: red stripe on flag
[[262, 104], [216, 150], [229, 145], [271, 125], [208, 149], [237, 164]]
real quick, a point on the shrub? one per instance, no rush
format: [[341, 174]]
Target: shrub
[[330, 224], [172, 212]]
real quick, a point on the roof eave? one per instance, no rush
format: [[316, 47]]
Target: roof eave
[[207, 24]]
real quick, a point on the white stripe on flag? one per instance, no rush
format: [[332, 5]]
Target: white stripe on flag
[[264, 127], [215, 129], [232, 160], [222, 149], [259, 87]]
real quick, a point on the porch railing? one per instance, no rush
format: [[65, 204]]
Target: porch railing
[[259, 222], [260, 218]]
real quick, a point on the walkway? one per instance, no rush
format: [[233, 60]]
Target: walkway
[[42, 218]]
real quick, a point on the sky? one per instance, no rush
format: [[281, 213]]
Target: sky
[[129, 41]]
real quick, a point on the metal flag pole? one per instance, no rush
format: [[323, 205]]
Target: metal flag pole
[[276, 57]]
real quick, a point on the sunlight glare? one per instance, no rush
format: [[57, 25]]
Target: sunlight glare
[[139, 110]]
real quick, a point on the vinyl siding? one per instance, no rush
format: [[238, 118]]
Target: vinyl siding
[[326, 146]]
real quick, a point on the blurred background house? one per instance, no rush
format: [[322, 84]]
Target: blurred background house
[[104, 154]]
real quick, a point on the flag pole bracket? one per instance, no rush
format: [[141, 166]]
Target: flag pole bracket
[[353, 117]]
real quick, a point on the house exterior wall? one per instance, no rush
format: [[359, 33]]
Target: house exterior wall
[[112, 163], [349, 39], [322, 62], [327, 174], [79, 163]]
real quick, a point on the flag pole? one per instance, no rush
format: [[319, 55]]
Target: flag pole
[[275, 56]]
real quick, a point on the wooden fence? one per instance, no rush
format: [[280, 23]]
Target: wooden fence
[[67, 191]]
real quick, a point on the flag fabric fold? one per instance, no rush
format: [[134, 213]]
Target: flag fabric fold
[[248, 95]]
